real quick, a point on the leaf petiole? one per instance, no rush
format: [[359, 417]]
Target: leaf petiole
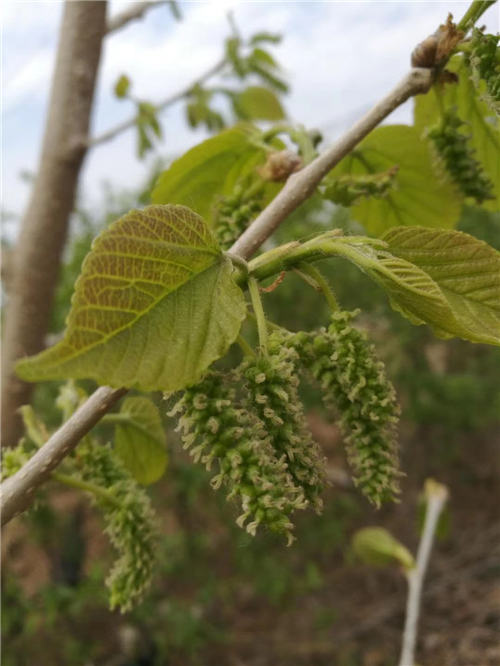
[[253, 288]]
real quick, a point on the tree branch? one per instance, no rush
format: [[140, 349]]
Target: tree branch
[[168, 101], [44, 226], [436, 496], [134, 12], [18, 490], [298, 188], [301, 185]]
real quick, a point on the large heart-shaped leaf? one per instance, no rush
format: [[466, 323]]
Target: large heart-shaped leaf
[[209, 171], [483, 125], [155, 305], [140, 439], [466, 270], [418, 196]]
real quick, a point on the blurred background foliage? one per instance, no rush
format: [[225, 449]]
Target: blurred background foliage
[[224, 597]]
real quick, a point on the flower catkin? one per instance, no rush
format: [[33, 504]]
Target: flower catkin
[[271, 390], [216, 430], [452, 146], [233, 215], [353, 380], [484, 61], [129, 523]]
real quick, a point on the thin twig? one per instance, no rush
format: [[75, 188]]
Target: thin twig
[[135, 11], [160, 106], [436, 496], [19, 489]]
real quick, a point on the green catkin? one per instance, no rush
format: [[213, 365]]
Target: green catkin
[[129, 524], [453, 148], [216, 430], [353, 380], [233, 215], [272, 391], [484, 62], [350, 189]]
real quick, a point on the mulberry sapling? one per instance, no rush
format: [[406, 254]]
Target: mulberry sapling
[[354, 381], [216, 430], [272, 391]]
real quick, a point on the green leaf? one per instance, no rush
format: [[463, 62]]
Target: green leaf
[[466, 270], [411, 291], [140, 440], [122, 86], [419, 197], [209, 171], [375, 545], [483, 126], [261, 37], [155, 305], [257, 103]]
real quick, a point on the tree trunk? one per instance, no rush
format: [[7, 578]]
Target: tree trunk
[[44, 226]]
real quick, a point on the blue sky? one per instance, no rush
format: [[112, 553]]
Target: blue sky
[[339, 58]]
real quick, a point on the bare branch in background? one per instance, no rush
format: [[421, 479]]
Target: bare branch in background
[[436, 496], [44, 227], [160, 106], [133, 13]]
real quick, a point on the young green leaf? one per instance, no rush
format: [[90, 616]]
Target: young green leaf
[[155, 305], [210, 171], [411, 291], [140, 440], [122, 86], [418, 196], [466, 270], [375, 545], [482, 125], [257, 103]]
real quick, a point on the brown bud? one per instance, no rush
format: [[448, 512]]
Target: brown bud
[[280, 165], [424, 54], [436, 48]]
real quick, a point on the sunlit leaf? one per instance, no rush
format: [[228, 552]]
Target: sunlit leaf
[[140, 439], [418, 197], [155, 305], [466, 270]]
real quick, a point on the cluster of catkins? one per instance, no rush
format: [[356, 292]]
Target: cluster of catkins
[[129, 523], [250, 424], [452, 146], [354, 383], [218, 426], [233, 215], [484, 61]]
